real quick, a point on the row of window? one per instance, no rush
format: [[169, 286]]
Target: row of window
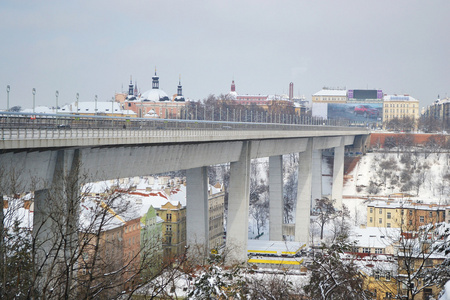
[[132, 227], [377, 250], [399, 105], [402, 111], [387, 275]]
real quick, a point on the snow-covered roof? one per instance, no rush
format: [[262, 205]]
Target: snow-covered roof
[[374, 237], [325, 92], [151, 114], [214, 190], [40, 110], [154, 95], [276, 246], [398, 98], [17, 212], [89, 107], [407, 204]]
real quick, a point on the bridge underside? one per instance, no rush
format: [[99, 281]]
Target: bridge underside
[[35, 170]]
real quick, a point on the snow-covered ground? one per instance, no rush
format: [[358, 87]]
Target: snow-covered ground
[[430, 170]]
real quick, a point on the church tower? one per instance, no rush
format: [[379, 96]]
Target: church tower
[[233, 87], [130, 88], [180, 89], [155, 82]]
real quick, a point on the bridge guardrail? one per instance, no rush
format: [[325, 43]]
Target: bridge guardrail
[[18, 126]]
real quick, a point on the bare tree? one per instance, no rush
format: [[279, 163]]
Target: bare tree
[[335, 278], [67, 256], [325, 212], [260, 212]]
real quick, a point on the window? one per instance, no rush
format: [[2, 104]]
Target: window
[[431, 214], [366, 250], [380, 221], [377, 275], [410, 212], [169, 217], [379, 250], [381, 211], [168, 227], [388, 295], [388, 215], [388, 225], [371, 220], [388, 276], [371, 210], [422, 219]]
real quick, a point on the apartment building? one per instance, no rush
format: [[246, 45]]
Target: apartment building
[[400, 107], [403, 214]]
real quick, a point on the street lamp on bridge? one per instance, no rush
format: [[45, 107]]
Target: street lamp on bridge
[[76, 103], [8, 88], [34, 99], [56, 94]]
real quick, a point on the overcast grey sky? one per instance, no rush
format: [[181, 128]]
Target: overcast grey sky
[[92, 47]]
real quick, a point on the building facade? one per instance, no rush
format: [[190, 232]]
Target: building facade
[[400, 107], [327, 95], [403, 214], [155, 103]]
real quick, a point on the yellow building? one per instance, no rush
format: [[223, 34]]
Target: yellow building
[[381, 283], [400, 106], [417, 268], [173, 214], [407, 214], [385, 214], [173, 228], [330, 96], [216, 199]]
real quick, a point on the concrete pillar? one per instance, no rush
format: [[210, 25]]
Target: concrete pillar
[[316, 191], [238, 206], [276, 198], [197, 212], [55, 223], [303, 208], [338, 174]]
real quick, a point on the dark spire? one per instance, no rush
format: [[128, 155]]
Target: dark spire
[[233, 87], [155, 82], [180, 89], [130, 87]]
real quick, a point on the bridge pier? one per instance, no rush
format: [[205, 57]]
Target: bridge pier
[[238, 206], [316, 192], [197, 212], [55, 225], [303, 208], [276, 198], [338, 174]]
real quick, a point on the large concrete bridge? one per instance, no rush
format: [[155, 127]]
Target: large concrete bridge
[[38, 150]]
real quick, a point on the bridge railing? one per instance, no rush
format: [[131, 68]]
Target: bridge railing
[[45, 126]]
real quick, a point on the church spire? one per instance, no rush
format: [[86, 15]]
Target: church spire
[[155, 82], [130, 87], [180, 89], [233, 86]]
